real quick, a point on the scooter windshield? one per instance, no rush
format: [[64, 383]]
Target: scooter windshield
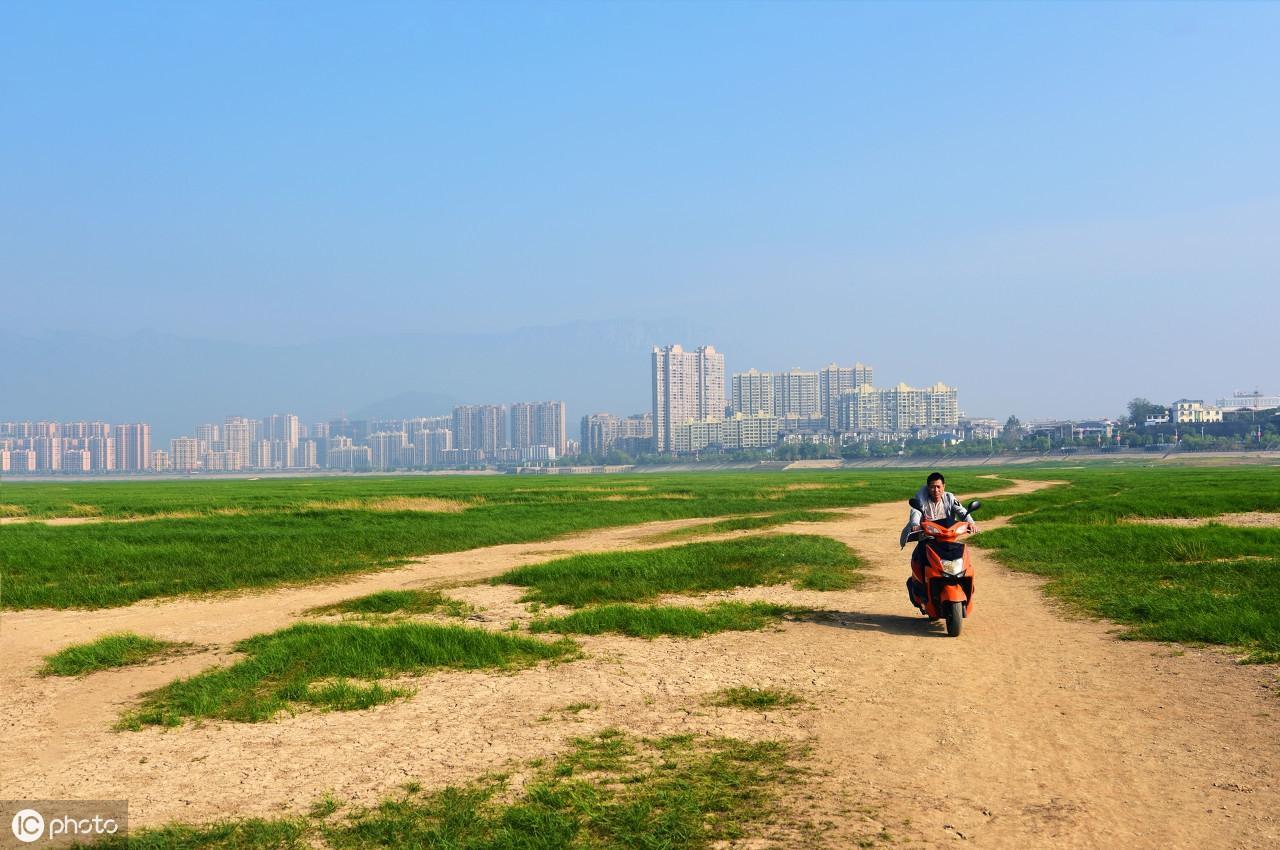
[[947, 550]]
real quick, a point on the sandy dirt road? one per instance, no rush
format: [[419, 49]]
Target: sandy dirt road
[[1031, 729]]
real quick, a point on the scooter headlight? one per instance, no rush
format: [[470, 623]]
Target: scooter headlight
[[953, 568]]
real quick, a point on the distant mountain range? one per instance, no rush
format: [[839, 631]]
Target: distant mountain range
[[175, 382]]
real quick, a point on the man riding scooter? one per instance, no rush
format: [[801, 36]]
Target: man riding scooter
[[936, 504]]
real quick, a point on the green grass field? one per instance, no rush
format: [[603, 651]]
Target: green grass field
[[314, 664], [1214, 584], [224, 535], [812, 562], [607, 791]]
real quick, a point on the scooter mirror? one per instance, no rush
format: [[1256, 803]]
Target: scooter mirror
[[974, 505], [915, 503]]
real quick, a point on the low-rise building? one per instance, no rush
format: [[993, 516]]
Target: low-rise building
[[1186, 411]]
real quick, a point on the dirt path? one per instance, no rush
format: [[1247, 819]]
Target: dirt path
[[1030, 729]]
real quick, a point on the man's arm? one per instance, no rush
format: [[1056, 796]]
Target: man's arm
[[960, 512]]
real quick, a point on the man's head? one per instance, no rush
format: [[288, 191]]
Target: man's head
[[935, 485]]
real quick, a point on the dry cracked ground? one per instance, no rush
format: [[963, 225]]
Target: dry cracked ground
[[1034, 728]]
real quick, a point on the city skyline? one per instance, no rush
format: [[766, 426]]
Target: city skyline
[[696, 406]]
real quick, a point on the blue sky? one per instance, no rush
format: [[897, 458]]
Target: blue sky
[[1055, 207]]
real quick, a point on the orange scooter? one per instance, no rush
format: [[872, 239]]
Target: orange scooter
[[942, 585]]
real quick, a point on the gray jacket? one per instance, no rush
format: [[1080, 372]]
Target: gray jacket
[[954, 509]]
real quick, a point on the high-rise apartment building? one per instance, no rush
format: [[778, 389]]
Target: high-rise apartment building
[[239, 435], [686, 385], [283, 430], [208, 434], [752, 392], [480, 426], [185, 453], [102, 453], [133, 447], [307, 455], [522, 425], [387, 449], [538, 424], [599, 431], [48, 451], [795, 393], [833, 382]]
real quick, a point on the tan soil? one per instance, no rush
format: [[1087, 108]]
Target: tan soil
[[1248, 519], [425, 504], [1031, 729]]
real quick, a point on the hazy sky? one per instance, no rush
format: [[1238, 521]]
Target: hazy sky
[[1054, 207]]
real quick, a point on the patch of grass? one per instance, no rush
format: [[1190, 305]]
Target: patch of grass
[[759, 699], [650, 621], [107, 652], [398, 602], [817, 563], [311, 663], [219, 535], [323, 807], [577, 707], [745, 523]]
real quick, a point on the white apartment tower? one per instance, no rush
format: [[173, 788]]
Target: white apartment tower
[[833, 382], [795, 393], [185, 453], [686, 385], [753, 392]]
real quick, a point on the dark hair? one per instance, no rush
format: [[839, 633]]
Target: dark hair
[[934, 476]]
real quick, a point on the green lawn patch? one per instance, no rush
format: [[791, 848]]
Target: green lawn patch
[[105, 653], [811, 562], [398, 602], [758, 699], [649, 621], [608, 791], [313, 664]]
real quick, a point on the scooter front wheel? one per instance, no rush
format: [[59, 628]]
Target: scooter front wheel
[[955, 617]]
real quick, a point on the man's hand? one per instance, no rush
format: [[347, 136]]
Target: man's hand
[[973, 529]]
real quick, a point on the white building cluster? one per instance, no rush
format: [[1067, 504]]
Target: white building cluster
[[832, 404], [77, 447], [525, 432]]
